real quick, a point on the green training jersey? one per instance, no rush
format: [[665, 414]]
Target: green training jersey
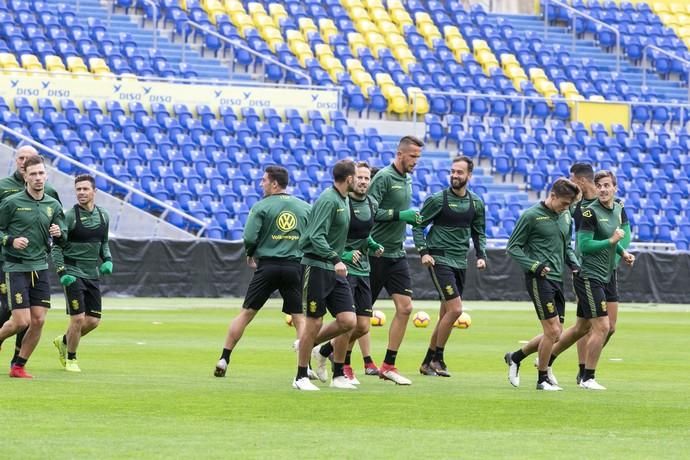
[[86, 245], [324, 239], [362, 214], [541, 238], [274, 226], [392, 190], [454, 221], [23, 216], [15, 183], [598, 224]]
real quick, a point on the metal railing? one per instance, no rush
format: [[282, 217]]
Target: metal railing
[[154, 5], [665, 53], [236, 44], [586, 16], [130, 190]]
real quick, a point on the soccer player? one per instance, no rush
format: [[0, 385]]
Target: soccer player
[[583, 175], [356, 257], [29, 221], [540, 244], [271, 241], [325, 284], [391, 188], [598, 239], [456, 215], [78, 263], [9, 186]]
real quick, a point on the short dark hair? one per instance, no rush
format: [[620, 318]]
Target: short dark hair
[[466, 159], [363, 164], [278, 174], [584, 170], [407, 141], [85, 178], [343, 169], [603, 174], [565, 188], [33, 160]]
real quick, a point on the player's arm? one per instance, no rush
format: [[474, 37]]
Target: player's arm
[[378, 187], [585, 236], [516, 244], [60, 221], [252, 228], [105, 245], [478, 230], [5, 216], [320, 220], [570, 257], [430, 209], [57, 252], [625, 225]]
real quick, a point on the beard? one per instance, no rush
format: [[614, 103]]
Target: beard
[[457, 184]]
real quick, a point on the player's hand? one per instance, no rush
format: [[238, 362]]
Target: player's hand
[[481, 264], [20, 243], [428, 260], [618, 235], [66, 280], [106, 268], [351, 256], [251, 262], [545, 271], [628, 258], [379, 251], [340, 269], [410, 216], [54, 231]]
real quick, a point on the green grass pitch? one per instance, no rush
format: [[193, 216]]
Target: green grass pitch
[[147, 391]]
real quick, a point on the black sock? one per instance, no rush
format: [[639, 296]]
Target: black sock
[[71, 355], [551, 360], [429, 356], [326, 349], [438, 357], [589, 374], [582, 369], [64, 339], [390, 357], [542, 377], [348, 356], [301, 373], [225, 354], [368, 360], [518, 356], [19, 361], [15, 356], [338, 370]]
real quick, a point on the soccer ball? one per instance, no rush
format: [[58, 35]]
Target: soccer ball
[[288, 320], [378, 318], [464, 321], [421, 319]]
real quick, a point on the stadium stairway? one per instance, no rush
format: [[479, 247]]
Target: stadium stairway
[[207, 68], [127, 221], [589, 50]]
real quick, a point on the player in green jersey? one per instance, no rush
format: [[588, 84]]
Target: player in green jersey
[[9, 186], [79, 261], [356, 257], [598, 240], [271, 241], [325, 286], [391, 188], [540, 244], [29, 221], [456, 216]]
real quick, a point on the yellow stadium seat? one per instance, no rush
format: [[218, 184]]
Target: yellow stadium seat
[[298, 47], [356, 40], [328, 29], [393, 40], [358, 13], [479, 45], [76, 64], [54, 64], [371, 4], [507, 59], [379, 15], [233, 6], [322, 50], [402, 52], [331, 63], [374, 39], [364, 26], [451, 31], [277, 14], [406, 63], [272, 37], [596, 97], [275, 8], [567, 87], [366, 87], [546, 88], [395, 4], [293, 35], [421, 17], [397, 101], [303, 56], [255, 7], [460, 54], [457, 43], [353, 64], [213, 7], [361, 76], [511, 71], [485, 56], [242, 22], [387, 27], [417, 101], [352, 3], [687, 8], [384, 79], [676, 8], [660, 7], [262, 20], [306, 25], [31, 62], [401, 17], [98, 66], [536, 72], [517, 82]]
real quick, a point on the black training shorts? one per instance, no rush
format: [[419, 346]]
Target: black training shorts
[[361, 294], [611, 288], [547, 297], [393, 274], [324, 291], [84, 296], [591, 297], [28, 289], [282, 275], [448, 281], [4, 306]]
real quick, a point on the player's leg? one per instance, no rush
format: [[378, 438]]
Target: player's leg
[[17, 298], [315, 288], [399, 286], [600, 329], [581, 356], [370, 367], [611, 292], [451, 281], [425, 367], [552, 330], [340, 304]]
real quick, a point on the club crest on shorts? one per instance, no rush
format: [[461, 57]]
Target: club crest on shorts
[[286, 221], [549, 307], [449, 289], [18, 298], [603, 305], [312, 306], [75, 304], [3, 288]]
